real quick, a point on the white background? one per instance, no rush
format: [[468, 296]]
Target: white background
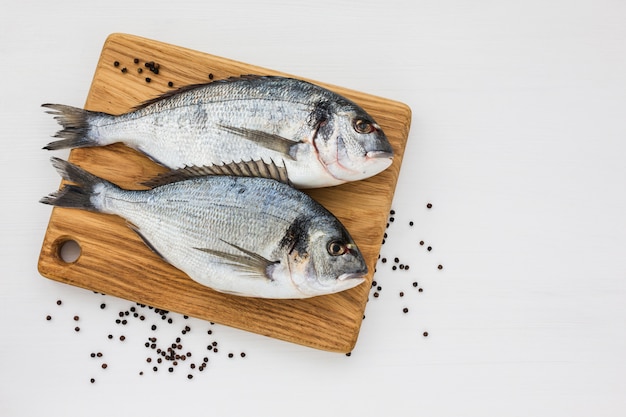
[[518, 140]]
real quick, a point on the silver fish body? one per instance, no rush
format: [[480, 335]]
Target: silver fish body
[[248, 236], [322, 138]]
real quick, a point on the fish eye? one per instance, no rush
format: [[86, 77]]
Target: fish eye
[[337, 247], [364, 126]]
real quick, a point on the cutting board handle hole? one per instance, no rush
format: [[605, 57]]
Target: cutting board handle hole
[[67, 250]]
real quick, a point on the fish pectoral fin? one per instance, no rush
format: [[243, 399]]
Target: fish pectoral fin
[[267, 140], [248, 262]]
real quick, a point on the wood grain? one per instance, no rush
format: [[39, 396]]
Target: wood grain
[[115, 261]]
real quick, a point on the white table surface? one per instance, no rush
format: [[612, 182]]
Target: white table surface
[[518, 140]]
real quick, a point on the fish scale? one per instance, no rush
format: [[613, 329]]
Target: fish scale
[[249, 236], [322, 138]]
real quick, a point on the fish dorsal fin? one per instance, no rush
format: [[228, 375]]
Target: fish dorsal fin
[[169, 94], [183, 89], [253, 168]]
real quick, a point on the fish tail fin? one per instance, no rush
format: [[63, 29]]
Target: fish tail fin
[[76, 125], [79, 195]]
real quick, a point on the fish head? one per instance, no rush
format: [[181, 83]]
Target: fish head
[[325, 260], [351, 145]]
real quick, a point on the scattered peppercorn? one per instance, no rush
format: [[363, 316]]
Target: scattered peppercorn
[[425, 334], [429, 205], [210, 76], [405, 310], [48, 318], [439, 266], [59, 302], [116, 64], [148, 79]]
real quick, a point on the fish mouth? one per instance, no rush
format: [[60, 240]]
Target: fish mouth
[[352, 275], [379, 155]]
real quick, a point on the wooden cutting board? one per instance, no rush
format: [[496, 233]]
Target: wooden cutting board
[[113, 259]]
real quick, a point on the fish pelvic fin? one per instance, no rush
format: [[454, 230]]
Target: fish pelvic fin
[[247, 262], [267, 140], [76, 124], [78, 195], [256, 168]]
